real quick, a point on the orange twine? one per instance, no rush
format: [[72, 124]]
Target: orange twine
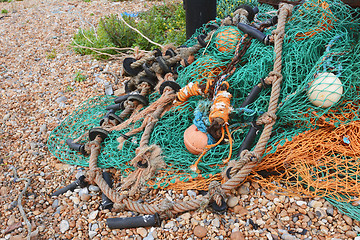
[[325, 22], [190, 90], [219, 109]]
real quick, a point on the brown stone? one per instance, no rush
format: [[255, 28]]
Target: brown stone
[[351, 234], [348, 220], [240, 210], [237, 236], [200, 231]]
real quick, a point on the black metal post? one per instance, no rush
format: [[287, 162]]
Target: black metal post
[[198, 12]]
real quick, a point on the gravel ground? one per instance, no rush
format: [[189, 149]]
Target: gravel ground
[[38, 92]]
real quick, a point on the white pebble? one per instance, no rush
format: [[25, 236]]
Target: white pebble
[[64, 226], [93, 215]]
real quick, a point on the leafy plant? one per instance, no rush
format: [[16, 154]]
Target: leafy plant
[[163, 24], [79, 77], [4, 11]]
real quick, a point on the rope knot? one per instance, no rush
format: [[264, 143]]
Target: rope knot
[[248, 156], [271, 78], [266, 118], [119, 206], [92, 174]]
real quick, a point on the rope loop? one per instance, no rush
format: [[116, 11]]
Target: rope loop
[[216, 192]]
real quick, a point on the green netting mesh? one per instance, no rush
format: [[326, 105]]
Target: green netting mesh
[[321, 59]]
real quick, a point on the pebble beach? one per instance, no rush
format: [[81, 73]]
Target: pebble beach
[[38, 91]]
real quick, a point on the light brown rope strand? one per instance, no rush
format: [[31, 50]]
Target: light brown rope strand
[[284, 12]]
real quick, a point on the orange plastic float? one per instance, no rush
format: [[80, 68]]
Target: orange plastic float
[[195, 140], [227, 39]]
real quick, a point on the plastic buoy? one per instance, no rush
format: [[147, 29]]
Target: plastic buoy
[[195, 140], [325, 90], [227, 39]]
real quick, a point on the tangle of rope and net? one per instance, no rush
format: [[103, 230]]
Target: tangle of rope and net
[[238, 169]]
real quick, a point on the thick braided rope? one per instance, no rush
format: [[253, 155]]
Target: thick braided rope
[[122, 200], [149, 57], [284, 12]]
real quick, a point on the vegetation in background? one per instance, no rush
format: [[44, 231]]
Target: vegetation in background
[[79, 77], [162, 24]]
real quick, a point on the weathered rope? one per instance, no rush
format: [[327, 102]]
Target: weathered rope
[[275, 78]]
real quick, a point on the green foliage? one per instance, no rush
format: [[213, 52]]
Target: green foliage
[[51, 55], [92, 38], [162, 24], [86, 0], [4, 11], [79, 77]]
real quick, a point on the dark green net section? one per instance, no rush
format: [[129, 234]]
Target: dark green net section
[[334, 48]]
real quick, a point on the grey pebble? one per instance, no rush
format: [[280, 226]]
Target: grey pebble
[[191, 193], [6, 117], [330, 211], [93, 188], [55, 203], [61, 99], [43, 128], [94, 227]]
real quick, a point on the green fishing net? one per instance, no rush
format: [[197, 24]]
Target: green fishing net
[[321, 59]]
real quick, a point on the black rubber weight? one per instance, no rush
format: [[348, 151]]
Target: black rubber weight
[[213, 26], [98, 132], [148, 80], [157, 52], [174, 85], [217, 208], [142, 165], [121, 98], [139, 98], [170, 52], [113, 116], [250, 10], [148, 72], [201, 40], [128, 69], [163, 64]]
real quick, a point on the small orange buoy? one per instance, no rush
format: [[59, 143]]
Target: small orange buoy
[[195, 140], [227, 38]]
